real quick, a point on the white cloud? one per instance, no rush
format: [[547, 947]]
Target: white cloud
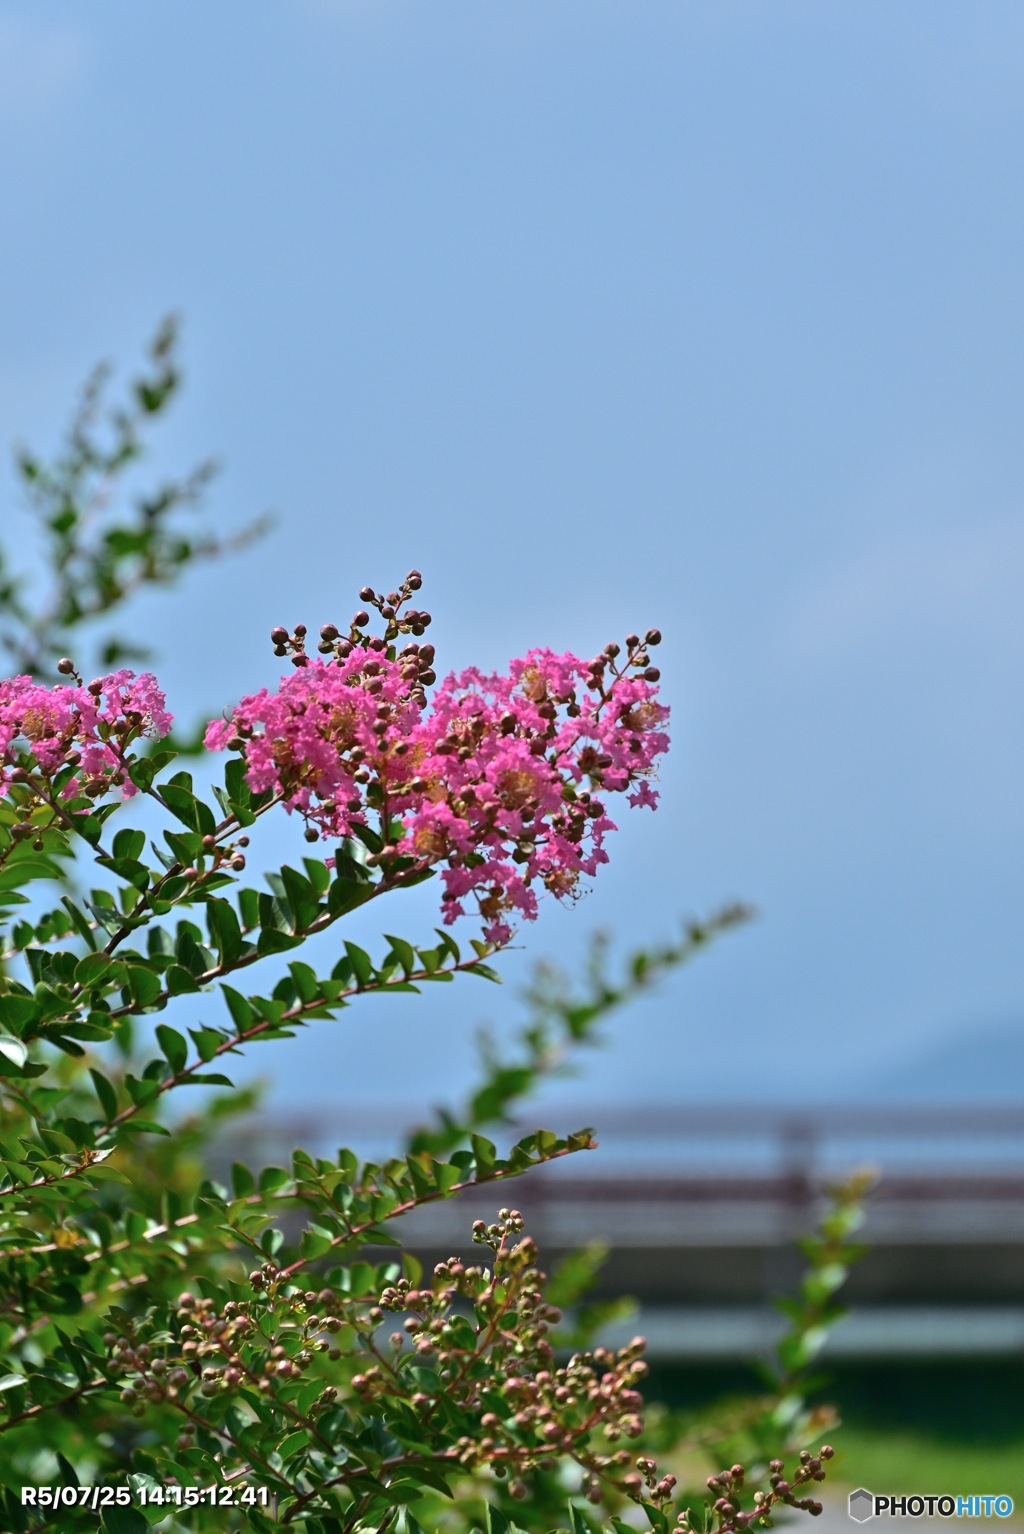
[[39, 65]]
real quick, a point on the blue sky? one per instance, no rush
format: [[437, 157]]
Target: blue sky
[[697, 313]]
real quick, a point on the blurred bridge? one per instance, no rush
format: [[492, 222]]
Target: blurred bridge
[[700, 1207]]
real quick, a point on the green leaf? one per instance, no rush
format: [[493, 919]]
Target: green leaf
[[68, 1474], [13, 1049], [11, 1381], [185, 846], [144, 986], [344, 895], [181, 801], [447, 941], [301, 897], [273, 1177], [142, 773], [124, 1520], [249, 908], [314, 1243], [127, 870], [370, 840], [19, 870], [485, 971], [141, 1092], [81, 924], [179, 982], [242, 1014], [207, 1042], [74, 1356], [224, 929], [242, 1180], [129, 844], [17, 1012], [485, 1153], [446, 1176], [105, 1092], [235, 786], [319, 874], [306, 983], [292, 1442], [174, 1046], [362, 966], [403, 951], [273, 940]]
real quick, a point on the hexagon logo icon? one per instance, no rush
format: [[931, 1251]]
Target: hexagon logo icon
[[862, 1505]]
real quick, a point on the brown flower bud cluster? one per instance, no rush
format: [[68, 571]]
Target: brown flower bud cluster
[[417, 659], [208, 1359], [727, 1489], [469, 1363], [485, 1332]]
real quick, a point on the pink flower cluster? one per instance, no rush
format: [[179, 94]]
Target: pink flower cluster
[[499, 779], [86, 727]]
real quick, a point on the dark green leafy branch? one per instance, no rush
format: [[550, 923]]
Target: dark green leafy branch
[[782, 1420], [76, 1234], [98, 557], [73, 1236], [563, 1016]]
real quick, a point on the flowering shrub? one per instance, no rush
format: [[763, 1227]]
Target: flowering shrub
[[496, 780], [89, 729], [191, 1355]]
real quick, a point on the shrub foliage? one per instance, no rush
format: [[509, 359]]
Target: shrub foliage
[[187, 1355]]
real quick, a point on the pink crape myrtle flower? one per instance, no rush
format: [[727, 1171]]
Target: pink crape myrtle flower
[[499, 780], [88, 727]]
